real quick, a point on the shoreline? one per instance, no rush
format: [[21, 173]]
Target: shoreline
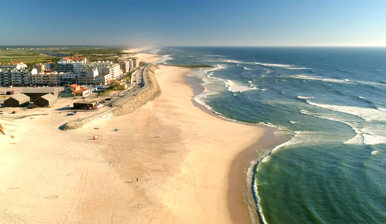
[[246, 162], [169, 162]]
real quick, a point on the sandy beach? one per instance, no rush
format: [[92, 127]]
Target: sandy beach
[[170, 162]]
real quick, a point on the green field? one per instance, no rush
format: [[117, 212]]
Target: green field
[[30, 55]]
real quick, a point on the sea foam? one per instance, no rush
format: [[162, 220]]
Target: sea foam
[[285, 66], [319, 78], [363, 135], [208, 78], [234, 86], [164, 59], [367, 114]]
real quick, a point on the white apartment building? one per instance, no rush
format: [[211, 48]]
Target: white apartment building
[[115, 71], [127, 66], [88, 76], [21, 66], [131, 62], [103, 79], [100, 65], [15, 65], [71, 64], [44, 78]]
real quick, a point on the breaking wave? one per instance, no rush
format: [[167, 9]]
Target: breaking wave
[[367, 114], [319, 78], [164, 59], [285, 66], [206, 75], [234, 86]]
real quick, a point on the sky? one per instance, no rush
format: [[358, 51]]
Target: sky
[[193, 22]]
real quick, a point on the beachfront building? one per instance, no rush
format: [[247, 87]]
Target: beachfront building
[[35, 93], [64, 67], [21, 66], [39, 67], [14, 65], [14, 77], [45, 78], [6, 67], [78, 90], [49, 66], [135, 62], [103, 79], [2, 78], [115, 71], [20, 77], [86, 105], [71, 64], [67, 78], [17, 100], [46, 100], [44, 67], [87, 76], [126, 66], [100, 65]]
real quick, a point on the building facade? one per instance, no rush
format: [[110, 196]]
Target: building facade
[[44, 78], [115, 71], [71, 64], [103, 79], [14, 77], [88, 76]]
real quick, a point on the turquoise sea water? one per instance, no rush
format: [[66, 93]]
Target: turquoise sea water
[[332, 101]]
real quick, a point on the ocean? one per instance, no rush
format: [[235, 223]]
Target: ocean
[[332, 101]]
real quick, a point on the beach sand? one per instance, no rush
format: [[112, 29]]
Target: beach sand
[[169, 162]]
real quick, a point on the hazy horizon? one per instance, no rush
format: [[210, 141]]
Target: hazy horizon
[[260, 23]]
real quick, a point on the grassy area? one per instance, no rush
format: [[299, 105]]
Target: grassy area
[[128, 79], [92, 54], [30, 55], [109, 92]]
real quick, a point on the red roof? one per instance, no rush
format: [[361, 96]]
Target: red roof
[[74, 85], [74, 58], [81, 90]]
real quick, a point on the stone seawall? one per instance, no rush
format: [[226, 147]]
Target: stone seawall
[[149, 92], [126, 104]]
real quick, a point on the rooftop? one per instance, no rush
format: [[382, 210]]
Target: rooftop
[[74, 58], [49, 97], [20, 97], [39, 90]]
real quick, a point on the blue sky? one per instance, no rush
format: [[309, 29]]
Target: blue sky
[[194, 22]]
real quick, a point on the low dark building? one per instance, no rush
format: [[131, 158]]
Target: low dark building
[[35, 93], [46, 100], [18, 100], [86, 105]]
